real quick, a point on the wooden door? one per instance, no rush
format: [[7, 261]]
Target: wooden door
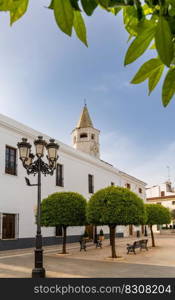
[[8, 226], [90, 231], [130, 229]]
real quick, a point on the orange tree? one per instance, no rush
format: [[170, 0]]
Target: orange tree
[[149, 23], [114, 206], [65, 209], [157, 215]]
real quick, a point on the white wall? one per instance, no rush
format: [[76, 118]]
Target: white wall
[[18, 198]]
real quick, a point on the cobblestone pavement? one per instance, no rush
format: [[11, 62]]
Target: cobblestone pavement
[[157, 262]]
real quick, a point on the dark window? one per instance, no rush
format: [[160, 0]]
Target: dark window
[[59, 230], [162, 194], [83, 135], [92, 136], [8, 226], [140, 190], [112, 183], [173, 202], [59, 175], [128, 186], [159, 203], [10, 160], [91, 183]]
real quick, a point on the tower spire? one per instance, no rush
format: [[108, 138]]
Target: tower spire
[[85, 119], [85, 137]]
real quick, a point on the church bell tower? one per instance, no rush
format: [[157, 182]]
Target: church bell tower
[[85, 137]]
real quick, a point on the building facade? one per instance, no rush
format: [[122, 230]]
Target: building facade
[[163, 194], [79, 169]]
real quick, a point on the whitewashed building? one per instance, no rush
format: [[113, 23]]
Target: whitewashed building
[[163, 194], [79, 169]]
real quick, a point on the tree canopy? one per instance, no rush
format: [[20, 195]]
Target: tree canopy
[[157, 215], [149, 23], [65, 209], [114, 206]]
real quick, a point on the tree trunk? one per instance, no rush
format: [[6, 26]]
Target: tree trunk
[[112, 240], [152, 236], [64, 239]]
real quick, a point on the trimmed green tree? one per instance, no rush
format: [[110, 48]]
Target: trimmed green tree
[[173, 216], [114, 206], [65, 209], [156, 215]]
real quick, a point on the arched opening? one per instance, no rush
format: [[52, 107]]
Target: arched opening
[[83, 135], [93, 136]]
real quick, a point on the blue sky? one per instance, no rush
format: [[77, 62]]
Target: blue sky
[[45, 76]]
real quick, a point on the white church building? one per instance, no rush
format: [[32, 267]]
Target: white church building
[[79, 169]]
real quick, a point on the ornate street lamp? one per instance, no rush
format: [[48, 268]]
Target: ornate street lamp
[[34, 167]]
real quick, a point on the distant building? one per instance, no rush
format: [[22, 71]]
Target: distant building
[[79, 169], [163, 194]]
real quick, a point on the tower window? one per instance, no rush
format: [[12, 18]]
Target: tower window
[[92, 136], [83, 135]]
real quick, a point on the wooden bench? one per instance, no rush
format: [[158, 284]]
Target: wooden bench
[[141, 244], [84, 243]]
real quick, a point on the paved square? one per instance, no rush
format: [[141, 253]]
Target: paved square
[[157, 262]]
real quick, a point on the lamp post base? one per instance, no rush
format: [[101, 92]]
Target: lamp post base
[[38, 273]]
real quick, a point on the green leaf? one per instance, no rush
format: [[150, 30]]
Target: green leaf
[[64, 15], [154, 78], [80, 27], [146, 69], [115, 10], [168, 88], [140, 44], [163, 40], [89, 6], [103, 3], [51, 5], [130, 20], [75, 5], [6, 5], [19, 10]]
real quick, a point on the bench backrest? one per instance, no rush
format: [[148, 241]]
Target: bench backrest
[[136, 244], [144, 242]]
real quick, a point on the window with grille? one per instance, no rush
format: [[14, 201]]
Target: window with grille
[[91, 183], [59, 175], [10, 160], [140, 190], [128, 186]]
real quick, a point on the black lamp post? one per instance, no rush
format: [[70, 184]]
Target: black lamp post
[[37, 167]]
